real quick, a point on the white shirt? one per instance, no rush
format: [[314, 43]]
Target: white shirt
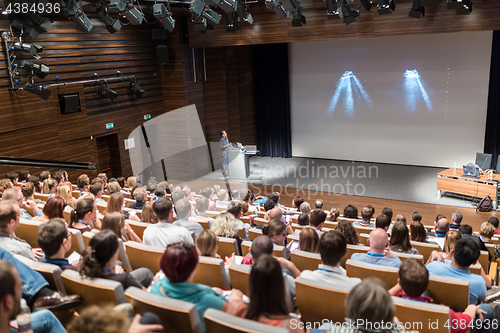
[[334, 275], [163, 234]]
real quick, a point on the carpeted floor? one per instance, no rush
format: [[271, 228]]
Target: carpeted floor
[[386, 181]]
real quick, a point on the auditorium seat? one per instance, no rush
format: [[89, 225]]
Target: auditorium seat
[[204, 224], [227, 246], [254, 233], [318, 301], [404, 256], [128, 202], [95, 291], [425, 249], [245, 247], [211, 272], [87, 236], [177, 316], [420, 313], [138, 227], [239, 275], [483, 260], [292, 238], [260, 221], [363, 230], [77, 243], [28, 231], [217, 321], [261, 214], [389, 275], [123, 257], [305, 260], [140, 255], [278, 250], [50, 272], [101, 209], [41, 196], [76, 194], [351, 249], [299, 227], [363, 238], [212, 213], [245, 219], [240, 233]]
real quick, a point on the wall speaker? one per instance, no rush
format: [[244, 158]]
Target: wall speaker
[[162, 54]]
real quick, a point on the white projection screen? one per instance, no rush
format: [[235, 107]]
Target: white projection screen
[[416, 100]]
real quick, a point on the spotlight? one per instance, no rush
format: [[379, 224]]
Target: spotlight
[[105, 92], [133, 15], [112, 25], [227, 6], [119, 5], [332, 12], [133, 88], [462, 7], [385, 6], [346, 12], [243, 15], [164, 16], [277, 7], [32, 49], [365, 4], [416, 10], [232, 22], [77, 15], [201, 9], [37, 90], [298, 18], [40, 71], [201, 25]]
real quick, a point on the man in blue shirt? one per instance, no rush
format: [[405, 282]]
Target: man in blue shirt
[[380, 253], [466, 253]]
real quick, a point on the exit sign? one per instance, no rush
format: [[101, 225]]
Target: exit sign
[[110, 125], [147, 116]]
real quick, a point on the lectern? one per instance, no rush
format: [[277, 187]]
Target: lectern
[[238, 165]]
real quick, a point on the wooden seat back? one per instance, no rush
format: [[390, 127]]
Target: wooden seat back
[[254, 233], [425, 249], [77, 244], [50, 272], [239, 275], [138, 227], [305, 260], [217, 321], [28, 231], [227, 246], [211, 272], [413, 313], [140, 255], [351, 249]]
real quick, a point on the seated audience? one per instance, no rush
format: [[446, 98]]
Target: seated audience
[[225, 225], [114, 187], [275, 214], [5, 184], [308, 240], [316, 220], [82, 183], [55, 240], [334, 214], [383, 222], [44, 175], [16, 195], [400, 239], [183, 210], [269, 205], [267, 295], [466, 231], [379, 253], [131, 181], [486, 232], [456, 219], [23, 176], [116, 204], [97, 189], [28, 191], [400, 217], [201, 208], [305, 208], [318, 204], [247, 196], [179, 263], [9, 222], [494, 221], [441, 227], [81, 217], [164, 232], [366, 216], [417, 232], [351, 212], [235, 208], [206, 244], [36, 183], [116, 222], [49, 187], [416, 217], [13, 177], [140, 196], [148, 215], [388, 212], [99, 261], [64, 191], [303, 219], [296, 202], [449, 244], [54, 208], [346, 228], [332, 247]]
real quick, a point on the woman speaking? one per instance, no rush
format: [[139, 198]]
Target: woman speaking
[[224, 145]]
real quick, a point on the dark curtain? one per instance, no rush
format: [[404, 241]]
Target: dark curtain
[[492, 135], [272, 100]]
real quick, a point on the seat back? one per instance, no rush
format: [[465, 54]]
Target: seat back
[[483, 260], [87, 236], [254, 233], [123, 257], [93, 291], [389, 275], [50, 272], [449, 291], [425, 249], [212, 213], [317, 301], [351, 249], [245, 247], [305, 260], [278, 250], [28, 230], [140, 255], [363, 238], [239, 275], [40, 196], [363, 230], [138, 227], [404, 256], [177, 316], [260, 221], [227, 246], [211, 272], [204, 224], [483, 160], [419, 315], [77, 243], [331, 225], [217, 321], [491, 249]]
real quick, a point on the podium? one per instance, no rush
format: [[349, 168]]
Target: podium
[[238, 165]]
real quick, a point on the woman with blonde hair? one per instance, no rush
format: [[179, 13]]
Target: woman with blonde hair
[[449, 242], [115, 222], [334, 214], [148, 214], [131, 181], [206, 244], [5, 184], [49, 186], [64, 191], [226, 225], [113, 187]]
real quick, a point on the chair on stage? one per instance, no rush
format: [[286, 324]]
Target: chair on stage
[[484, 160]]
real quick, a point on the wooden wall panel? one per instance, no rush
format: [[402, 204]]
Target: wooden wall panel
[[267, 28]]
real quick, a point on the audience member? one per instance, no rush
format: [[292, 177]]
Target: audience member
[[23, 176], [387, 211], [64, 191], [379, 253], [82, 183], [116, 204], [55, 240], [183, 210], [366, 216], [400, 217], [49, 187], [417, 232], [234, 207], [486, 232], [148, 215], [347, 229], [334, 214], [416, 217], [441, 227], [54, 208], [16, 195], [5, 184], [97, 189], [400, 239], [206, 244], [305, 207], [131, 181], [383, 222], [115, 222], [14, 177], [296, 202], [225, 225], [164, 232], [44, 175], [456, 219], [449, 243], [494, 221], [303, 219], [83, 214], [275, 214], [308, 240], [318, 204], [316, 220], [202, 207], [179, 263], [28, 191], [140, 196], [351, 212], [269, 205]]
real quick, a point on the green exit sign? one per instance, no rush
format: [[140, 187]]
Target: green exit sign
[[147, 116], [110, 125]]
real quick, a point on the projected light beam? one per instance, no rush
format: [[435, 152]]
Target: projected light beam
[[349, 86], [414, 89]]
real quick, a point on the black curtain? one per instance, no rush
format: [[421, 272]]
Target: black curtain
[[492, 135], [272, 100]]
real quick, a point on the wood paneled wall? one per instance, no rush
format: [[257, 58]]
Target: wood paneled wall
[[267, 28]]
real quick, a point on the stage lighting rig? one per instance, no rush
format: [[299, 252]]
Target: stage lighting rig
[[361, 4], [332, 12], [164, 16], [346, 12], [112, 24], [40, 71], [202, 12], [298, 18], [119, 5], [104, 92], [37, 90], [133, 15], [385, 6], [417, 11], [133, 88], [243, 15], [277, 7], [462, 7], [77, 15], [32, 49]]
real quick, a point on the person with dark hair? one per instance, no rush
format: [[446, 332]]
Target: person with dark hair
[[416, 217], [16, 195], [465, 253], [24, 175], [383, 222], [97, 189], [183, 210], [81, 216], [334, 214], [332, 247], [37, 184], [494, 221], [347, 229], [159, 193], [82, 183], [387, 211], [379, 254], [296, 202], [99, 261], [164, 232], [178, 263], [55, 240], [400, 239], [351, 212], [316, 221], [14, 177], [44, 175], [441, 227], [28, 191], [465, 229], [54, 208], [268, 205], [224, 146], [303, 219], [58, 177], [267, 295], [234, 207], [366, 217]]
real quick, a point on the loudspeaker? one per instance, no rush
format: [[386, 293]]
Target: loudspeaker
[[69, 103], [162, 54]]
